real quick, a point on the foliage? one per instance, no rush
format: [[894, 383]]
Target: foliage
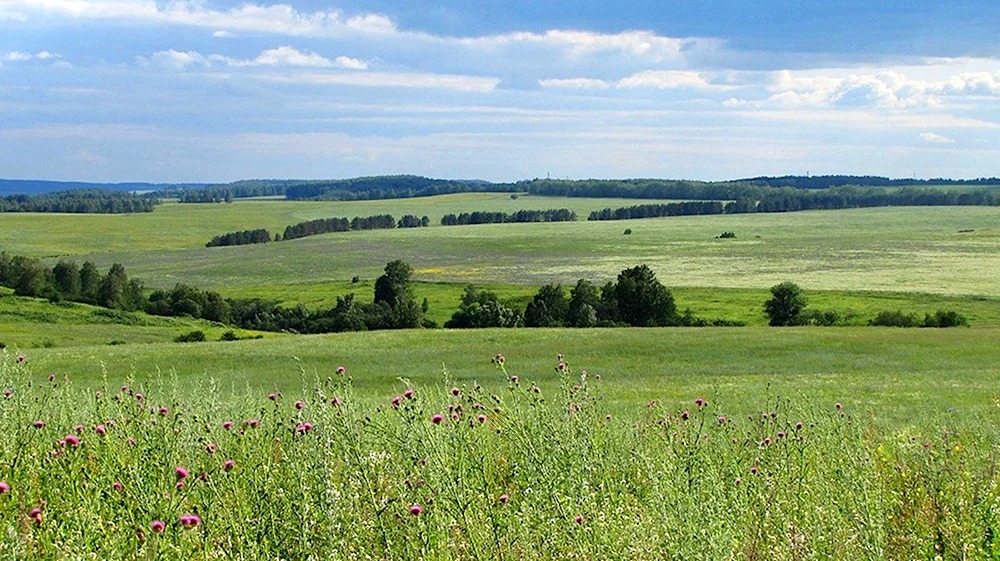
[[548, 308], [727, 235], [940, 318], [641, 300], [393, 289], [325, 225], [483, 217], [480, 309], [92, 201], [786, 304], [191, 337], [245, 237]]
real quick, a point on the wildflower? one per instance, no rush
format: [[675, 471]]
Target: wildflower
[[180, 485], [579, 519], [124, 389], [454, 416], [408, 394], [499, 359], [272, 396], [436, 419], [139, 396], [766, 442], [700, 402], [117, 486], [341, 370], [416, 510], [39, 424], [4, 488], [78, 428], [230, 464], [211, 448], [181, 472], [562, 367], [722, 420], [798, 426], [131, 440], [164, 411], [97, 393], [838, 405], [513, 379], [503, 498], [21, 358], [685, 415], [72, 440], [300, 404], [335, 401], [754, 470], [482, 418], [36, 513], [456, 392], [52, 377], [227, 425], [396, 401], [303, 428], [597, 376], [254, 423], [781, 434], [157, 526], [190, 521], [7, 393]]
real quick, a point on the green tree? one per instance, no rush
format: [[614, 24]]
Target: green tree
[[786, 304], [548, 308], [642, 300], [66, 277], [584, 301], [394, 289], [90, 282], [111, 293]]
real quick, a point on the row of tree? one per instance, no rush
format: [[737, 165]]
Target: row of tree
[[788, 306], [93, 201], [789, 200], [486, 217], [245, 237], [69, 281]]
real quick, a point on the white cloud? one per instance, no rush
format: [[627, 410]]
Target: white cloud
[[45, 55], [395, 80], [935, 138], [16, 56], [575, 83], [734, 102], [670, 79], [174, 60], [289, 56], [223, 34], [350, 63]]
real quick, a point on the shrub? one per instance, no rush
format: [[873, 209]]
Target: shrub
[[786, 304], [628, 231], [191, 337], [942, 318], [229, 336], [895, 319], [727, 235]]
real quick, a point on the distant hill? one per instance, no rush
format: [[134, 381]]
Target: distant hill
[[37, 187]]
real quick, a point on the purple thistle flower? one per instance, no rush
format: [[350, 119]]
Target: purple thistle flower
[[131, 440], [39, 424], [396, 401], [180, 485], [72, 440], [503, 498], [272, 396], [456, 392], [211, 448], [341, 370], [685, 415], [164, 411], [52, 377], [513, 379], [579, 519], [754, 470], [21, 358], [254, 423], [416, 510], [230, 464], [4, 488], [335, 401], [700, 402], [766, 442], [7, 393], [181, 472], [300, 404], [437, 419], [117, 486], [838, 405], [722, 420], [227, 425], [482, 418], [190, 521], [78, 429], [408, 394], [781, 434], [157, 526]]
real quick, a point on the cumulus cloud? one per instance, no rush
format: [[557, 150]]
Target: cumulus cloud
[[935, 138], [575, 83], [284, 56], [19, 56], [289, 56], [394, 79], [223, 34], [16, 56]]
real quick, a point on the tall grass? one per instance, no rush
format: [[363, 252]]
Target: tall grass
[[458, 472]]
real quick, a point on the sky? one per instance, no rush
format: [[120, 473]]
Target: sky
[[502, 90]]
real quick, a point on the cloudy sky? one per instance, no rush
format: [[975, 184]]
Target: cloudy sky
[[135, 90]]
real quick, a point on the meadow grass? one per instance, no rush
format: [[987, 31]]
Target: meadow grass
[[524, 467], [173, 226], [901, 374], [922, 250]]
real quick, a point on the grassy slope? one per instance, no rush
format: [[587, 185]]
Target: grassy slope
[[885, 249], [184, 226], [895, 372], [32, 322]]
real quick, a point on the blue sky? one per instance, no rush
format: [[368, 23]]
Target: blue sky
[[135, 90]]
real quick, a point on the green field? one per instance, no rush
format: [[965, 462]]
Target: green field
[[897, 373]]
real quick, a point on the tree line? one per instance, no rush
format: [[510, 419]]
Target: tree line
[[77, 201], [487, 217], [320, 226], [790, 199]]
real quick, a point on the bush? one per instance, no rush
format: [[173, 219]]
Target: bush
[[727, 235], [229, 336], [942, 318], [895, 319], [628, 231], [192, 337]]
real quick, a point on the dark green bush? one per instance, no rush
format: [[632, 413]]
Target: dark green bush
[[192, 337]]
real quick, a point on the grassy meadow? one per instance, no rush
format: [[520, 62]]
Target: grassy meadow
[[814, 442]]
